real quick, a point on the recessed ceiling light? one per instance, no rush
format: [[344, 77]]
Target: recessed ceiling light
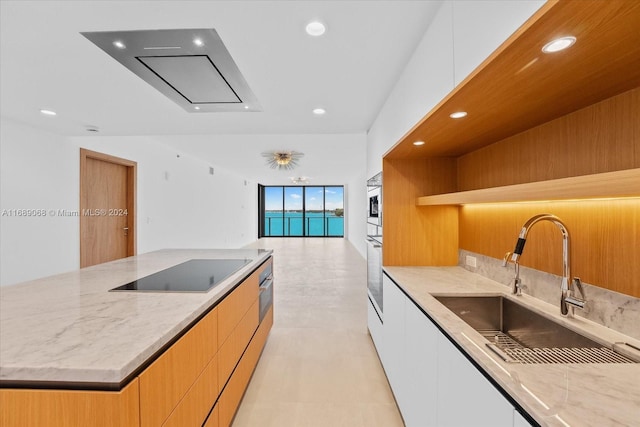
[[246, 107], [458, 114], [119, 44], [315, 28], [198, 42], [319, 111], [48, 112], [559, 44], [417, 143], [196, 108]]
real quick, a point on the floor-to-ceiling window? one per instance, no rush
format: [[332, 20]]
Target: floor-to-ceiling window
[[301, 211]]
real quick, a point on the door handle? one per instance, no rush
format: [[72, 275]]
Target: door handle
[[126, 231]]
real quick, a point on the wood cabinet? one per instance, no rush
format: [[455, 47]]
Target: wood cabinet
[[235, 388], [194, 408], [236, 343], [179, 389], [538, 130], [165, 382], [233, 308], [214, 418], [66, 408]]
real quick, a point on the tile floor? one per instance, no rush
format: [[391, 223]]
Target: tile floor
[[319, 366]]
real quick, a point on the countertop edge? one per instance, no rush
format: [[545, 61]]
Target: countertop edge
[[469, 340], [88, 378]]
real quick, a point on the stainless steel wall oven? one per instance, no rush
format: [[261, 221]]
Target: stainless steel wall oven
[[374, 242], [266, 290]]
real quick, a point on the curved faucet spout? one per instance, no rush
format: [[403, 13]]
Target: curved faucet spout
[[566, 264]]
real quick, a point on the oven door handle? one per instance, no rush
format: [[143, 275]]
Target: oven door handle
[[266, 283], [374, 243]]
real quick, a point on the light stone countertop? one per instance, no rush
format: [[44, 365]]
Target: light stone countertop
[[574, 394], [69, 329]]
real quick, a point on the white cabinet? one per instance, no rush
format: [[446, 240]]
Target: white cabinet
[[519, 421], [393, 334], [465, 396], [433, 382], [421, 364], [375, 326]]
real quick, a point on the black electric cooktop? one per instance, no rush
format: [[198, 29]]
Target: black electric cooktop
[[196, 275]]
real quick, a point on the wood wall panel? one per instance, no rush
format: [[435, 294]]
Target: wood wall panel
[[64, 408], [166, 381], [603, 137], [605, 238], [418, 235]]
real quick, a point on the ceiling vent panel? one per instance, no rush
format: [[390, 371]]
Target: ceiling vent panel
[[192, 67], [195, 77]]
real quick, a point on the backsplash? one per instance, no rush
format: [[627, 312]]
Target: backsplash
[[608, 308]]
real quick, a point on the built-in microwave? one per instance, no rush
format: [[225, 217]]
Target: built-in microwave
[[373, 206], [374, 211], [374, 242]]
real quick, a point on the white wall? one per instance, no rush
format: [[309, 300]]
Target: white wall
[[38, 170], [329, 159], [427, 78], [180, 205], [189, 209], [462, 35]]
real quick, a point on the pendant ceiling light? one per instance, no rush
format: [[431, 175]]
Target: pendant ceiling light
[[300, 179], [282, 159]]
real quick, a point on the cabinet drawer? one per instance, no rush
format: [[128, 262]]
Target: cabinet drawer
[[235, 345], [212, 421], [62, 408], [166, 381], [233, 308], [196, 404], [237, 385]]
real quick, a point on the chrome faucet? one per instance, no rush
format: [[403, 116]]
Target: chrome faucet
[[567, 301]]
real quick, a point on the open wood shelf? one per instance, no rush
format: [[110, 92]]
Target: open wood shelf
[[624, 183], [519, 87]]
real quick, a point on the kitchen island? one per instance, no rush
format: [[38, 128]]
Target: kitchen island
[[70, 332]]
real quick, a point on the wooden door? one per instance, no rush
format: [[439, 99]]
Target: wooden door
[[107, 208]]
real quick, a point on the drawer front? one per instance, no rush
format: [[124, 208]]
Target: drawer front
[[233, 308], [62, 408], [212, 421], [234, 391], [235, 345], [194, 408], [167, 380]]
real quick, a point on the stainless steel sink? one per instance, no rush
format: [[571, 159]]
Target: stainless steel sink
[[518, 334]]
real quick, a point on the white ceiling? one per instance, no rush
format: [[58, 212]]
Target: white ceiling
[[46, 63]]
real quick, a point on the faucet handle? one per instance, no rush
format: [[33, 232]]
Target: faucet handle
[[505, 260], [578, 284], [571, 299]]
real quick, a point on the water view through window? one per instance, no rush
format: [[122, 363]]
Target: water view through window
[[287, 211]]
